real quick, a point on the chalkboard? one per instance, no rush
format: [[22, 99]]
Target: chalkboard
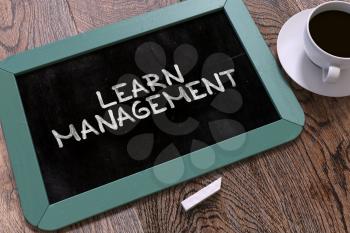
[[65, 93], [112, 112]]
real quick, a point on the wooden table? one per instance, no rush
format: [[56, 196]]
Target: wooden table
[[303, 186]]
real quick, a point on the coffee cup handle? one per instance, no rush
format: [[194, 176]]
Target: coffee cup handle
[[331, 74]]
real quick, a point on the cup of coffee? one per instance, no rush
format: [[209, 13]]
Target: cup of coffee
[[327, 38]]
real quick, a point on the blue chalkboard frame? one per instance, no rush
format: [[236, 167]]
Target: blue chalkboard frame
[[29, 182]]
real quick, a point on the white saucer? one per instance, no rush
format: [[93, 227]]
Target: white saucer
[[290, 49]]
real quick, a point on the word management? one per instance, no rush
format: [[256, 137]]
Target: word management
[[156, 93]]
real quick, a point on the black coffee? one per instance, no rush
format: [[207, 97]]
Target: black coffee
[[331, 32]]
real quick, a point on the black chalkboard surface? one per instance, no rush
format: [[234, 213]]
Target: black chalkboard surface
[[74, 91]]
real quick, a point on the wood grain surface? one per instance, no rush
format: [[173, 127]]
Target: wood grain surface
[[303, 186]]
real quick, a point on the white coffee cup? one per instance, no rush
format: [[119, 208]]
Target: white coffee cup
[[331, 65]]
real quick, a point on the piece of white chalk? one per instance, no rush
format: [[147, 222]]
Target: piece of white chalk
[[201, 195]]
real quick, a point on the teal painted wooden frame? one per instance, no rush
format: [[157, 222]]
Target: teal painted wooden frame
[[22, 155]]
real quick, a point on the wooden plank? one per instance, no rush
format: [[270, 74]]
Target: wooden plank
[[90, 14], [124, 219], [29, 24]]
